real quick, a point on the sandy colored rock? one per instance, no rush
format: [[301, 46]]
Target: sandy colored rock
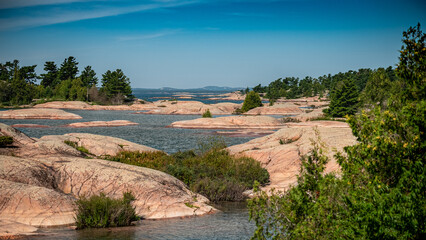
[[235, 96], [191, 107], [40, 189], [40, 113], [158, 195], [276, 109], [99, 145], [283, 160], [114, 123], [34, 205], [231, 122], [12, 230], [18, 136]]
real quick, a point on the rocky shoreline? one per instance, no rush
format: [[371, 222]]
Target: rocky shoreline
[[41, 178]]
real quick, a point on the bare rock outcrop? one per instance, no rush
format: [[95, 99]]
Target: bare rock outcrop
[[34, 205], [276, 109], [114, 123], [40, 113], [97, 144], [39, 188], [12, 230], [280, 152], [231, 122], [191, 107]]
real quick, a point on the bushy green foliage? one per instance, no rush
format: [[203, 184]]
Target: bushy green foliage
[[381, 191], [344, 99], [213, 173], [252, 101], [5, 141], [207, 114], [100, 211]]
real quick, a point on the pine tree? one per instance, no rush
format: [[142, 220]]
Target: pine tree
[[50, 78], [252, 101], [88, 77], [344, 99]]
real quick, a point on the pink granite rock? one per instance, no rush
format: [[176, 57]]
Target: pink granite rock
[[39, 113], [114, 123]]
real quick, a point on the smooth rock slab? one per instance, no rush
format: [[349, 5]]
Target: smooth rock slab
[[114, 123], [99, 145], [232, 122], [40, 113], [283, 160]]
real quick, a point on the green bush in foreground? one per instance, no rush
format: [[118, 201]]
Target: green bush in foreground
[[213, 173], [5, 140], [100, 211]]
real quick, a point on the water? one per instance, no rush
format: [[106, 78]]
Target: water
[[152, 130], [231, 223], [155, 95]]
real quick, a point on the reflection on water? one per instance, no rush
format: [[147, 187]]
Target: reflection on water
[[231, 223], [151, 130]]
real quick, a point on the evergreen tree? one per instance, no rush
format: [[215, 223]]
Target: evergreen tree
[[88, 77], [68, 69], [344, 99], [252, 101], [116, 83], [50, 78]]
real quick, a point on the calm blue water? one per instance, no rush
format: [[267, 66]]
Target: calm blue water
[[153, 96], [231, 223], [151, 131]]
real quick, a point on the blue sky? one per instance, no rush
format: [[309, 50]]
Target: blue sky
[[195, 43]]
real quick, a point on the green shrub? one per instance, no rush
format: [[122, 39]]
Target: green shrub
[[75, 145], [252, 101], [100, 211], [207, 114], [210, 170], [5, 140], [289, 119]]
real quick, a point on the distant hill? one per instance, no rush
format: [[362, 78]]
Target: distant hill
[[203, 89]]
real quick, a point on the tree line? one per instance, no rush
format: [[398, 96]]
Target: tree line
[[348, 91], [18, 85]]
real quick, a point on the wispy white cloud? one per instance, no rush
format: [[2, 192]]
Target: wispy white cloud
[[64, 15], [149, 36], [5, 4]]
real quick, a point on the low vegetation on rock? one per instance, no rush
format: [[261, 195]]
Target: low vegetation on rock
[[252, 101], [100, 211], [210, 170], [5, 141], [207, 114]]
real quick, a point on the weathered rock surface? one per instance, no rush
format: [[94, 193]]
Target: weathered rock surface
[[97, 144], [39, 188], [231, 122], [283, 160], [191, 107], [114, 123], [276, 109], [40, 113], [12, 230], [34, 205]]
